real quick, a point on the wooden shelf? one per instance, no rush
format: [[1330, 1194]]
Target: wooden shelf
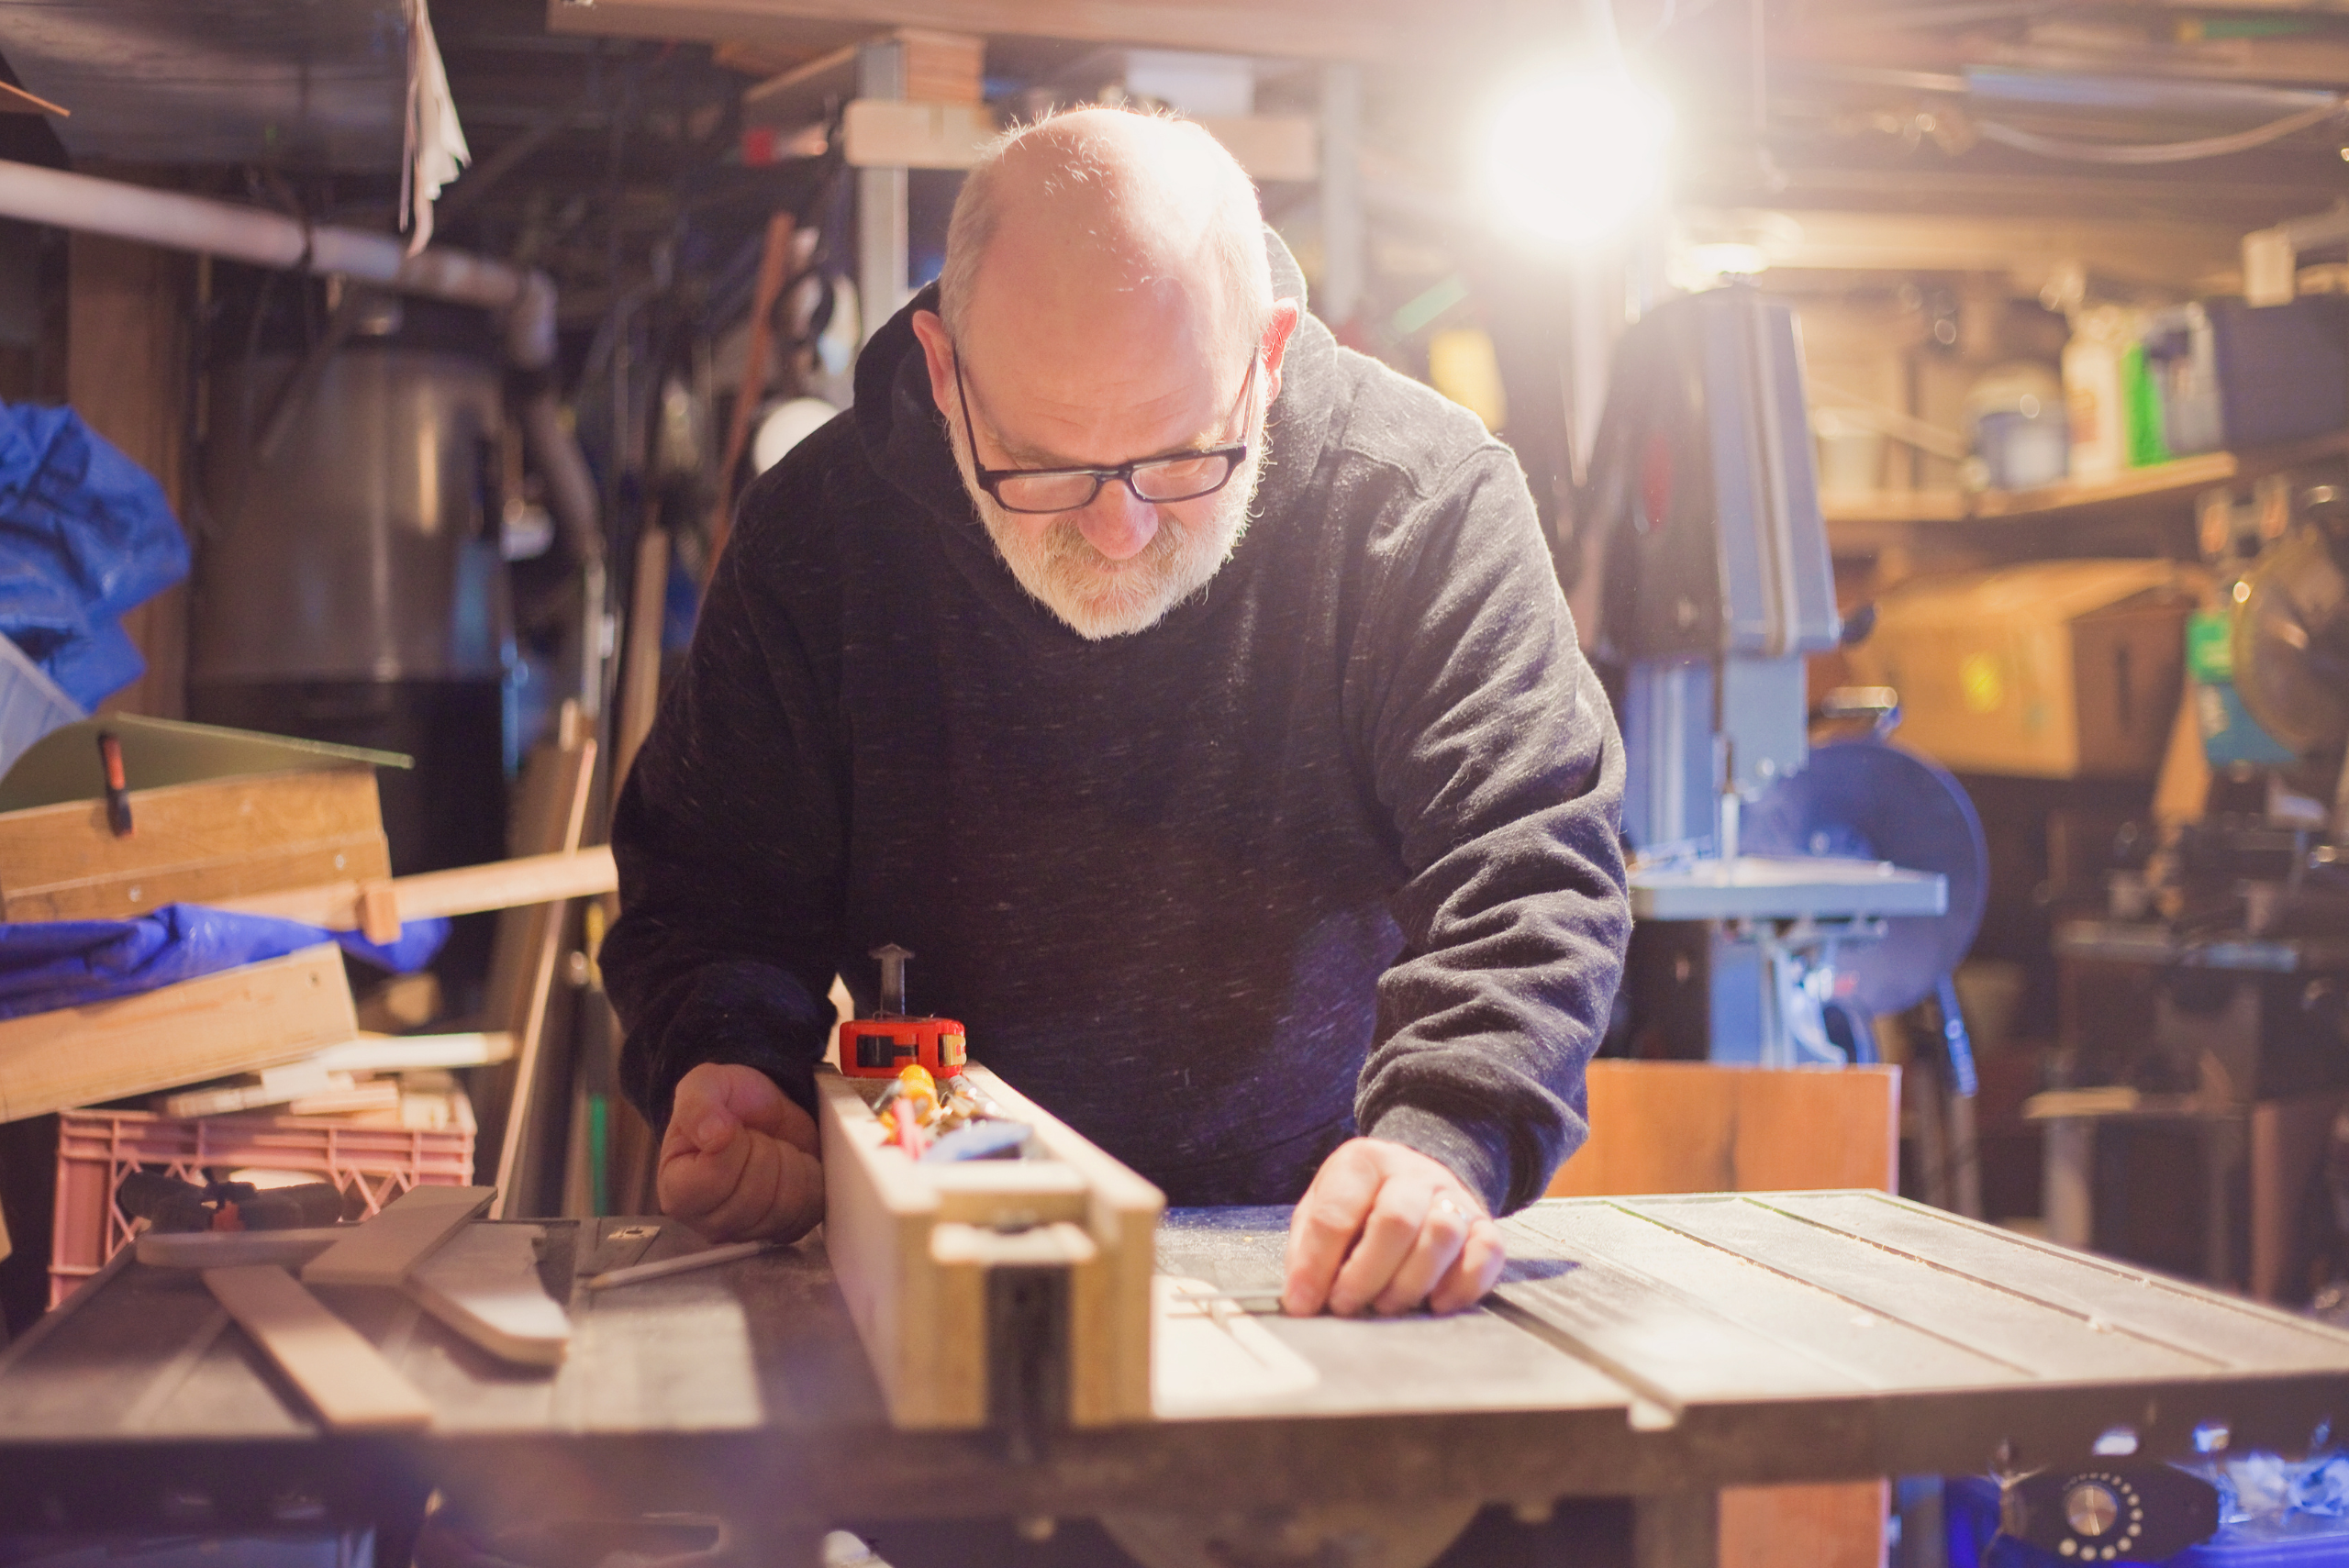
[[1867, 519]]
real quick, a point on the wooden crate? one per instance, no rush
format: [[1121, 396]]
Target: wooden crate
[[96, 1150], [193, 843], [913, 1245]]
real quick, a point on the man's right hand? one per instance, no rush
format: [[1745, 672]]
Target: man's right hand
[[740, 1160]]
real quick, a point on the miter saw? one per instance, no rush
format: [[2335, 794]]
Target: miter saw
[[1785, 896]]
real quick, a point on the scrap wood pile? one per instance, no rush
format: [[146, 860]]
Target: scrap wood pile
[[176, 905]]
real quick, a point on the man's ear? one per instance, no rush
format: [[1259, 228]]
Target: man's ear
[[938, 351], [1278, 331]]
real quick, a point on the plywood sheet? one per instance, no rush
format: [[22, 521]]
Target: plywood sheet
[[1693, 1126], [239, 1020]]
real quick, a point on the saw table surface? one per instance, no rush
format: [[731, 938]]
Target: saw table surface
[[1637, 1347]]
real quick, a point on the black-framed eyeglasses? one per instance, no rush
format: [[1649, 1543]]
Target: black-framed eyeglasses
[[1179, 476]]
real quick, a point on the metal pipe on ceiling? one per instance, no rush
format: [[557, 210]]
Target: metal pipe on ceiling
[[524, 299], [264, 239]]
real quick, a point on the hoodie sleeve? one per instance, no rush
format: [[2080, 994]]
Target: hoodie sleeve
[[730, 848], [1493, 750]]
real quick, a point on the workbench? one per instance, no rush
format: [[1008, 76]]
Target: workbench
[[1654, 1349]]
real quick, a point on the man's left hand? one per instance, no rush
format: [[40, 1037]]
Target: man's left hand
[[1385, 1228]]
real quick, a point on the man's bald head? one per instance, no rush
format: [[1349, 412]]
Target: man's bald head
[[1089, 211], [1108, 301]]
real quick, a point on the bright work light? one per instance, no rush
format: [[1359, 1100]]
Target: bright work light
[[1570, 156]]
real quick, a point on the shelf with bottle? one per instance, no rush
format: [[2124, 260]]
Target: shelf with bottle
[[1860, 518]]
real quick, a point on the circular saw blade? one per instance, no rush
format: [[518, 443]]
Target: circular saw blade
[[1876, 802], [2291, 643]]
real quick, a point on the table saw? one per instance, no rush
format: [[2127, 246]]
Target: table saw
[[1653, 1349]]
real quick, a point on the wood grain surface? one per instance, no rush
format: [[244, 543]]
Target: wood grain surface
[[1693, 1126], [239, 1021], [1638, 1346], [193, 843]]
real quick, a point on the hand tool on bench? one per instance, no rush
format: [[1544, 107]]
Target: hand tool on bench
[[168, 1204]]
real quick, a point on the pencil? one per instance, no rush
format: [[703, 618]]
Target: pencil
[[666, 1266]]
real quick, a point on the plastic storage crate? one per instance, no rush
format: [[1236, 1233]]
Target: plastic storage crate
[[96, 1149], [1971, 1505]]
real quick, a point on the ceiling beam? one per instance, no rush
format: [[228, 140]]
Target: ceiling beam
[[1305, 29], [2166, 254]]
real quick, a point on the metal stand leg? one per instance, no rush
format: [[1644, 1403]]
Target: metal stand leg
[[1965, 1158], [1921, 1085], [2222, 1151], [2070, 1180], [1676, 1530]]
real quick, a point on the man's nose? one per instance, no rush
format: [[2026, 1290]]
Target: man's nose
[[1118, 524]]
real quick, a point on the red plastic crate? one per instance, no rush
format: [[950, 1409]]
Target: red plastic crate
[[96, 1149]]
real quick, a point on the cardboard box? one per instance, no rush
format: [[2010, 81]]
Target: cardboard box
[[214, 814], [2057, 670]]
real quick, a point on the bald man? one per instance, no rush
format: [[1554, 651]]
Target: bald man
[[1192, 695]]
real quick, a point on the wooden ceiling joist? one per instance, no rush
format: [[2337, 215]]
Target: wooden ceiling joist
[[1304, 29]]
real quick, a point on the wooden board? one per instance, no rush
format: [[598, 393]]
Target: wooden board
[[348, 1381], [647, 609], [410, 1229], [128, 325], [551, 818], [911, 1245], [234, 1249], [674, 1390], [1692, 1127], [239, 1020], [1305, 29], [2288, 1139], [464, 890], [1838, 1526], [1110, 1355], [483, 1282], [193, 843], [414, 1053]]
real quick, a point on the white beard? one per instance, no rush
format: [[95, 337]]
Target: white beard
[[1098, 598]]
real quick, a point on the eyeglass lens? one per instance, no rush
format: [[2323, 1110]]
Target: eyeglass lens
[[1176, 479]]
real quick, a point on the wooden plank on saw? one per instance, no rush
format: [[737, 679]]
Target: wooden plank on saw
[[346, 1379], [878, 1214], [1111, 1306], [2203, 1323], [484, 1284], [912, 1245], [1806, 1321], [239, 1020], [408, 1230], [2048, 1339]]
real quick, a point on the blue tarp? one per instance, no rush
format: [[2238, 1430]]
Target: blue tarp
[[45, 964], [85, 534]]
